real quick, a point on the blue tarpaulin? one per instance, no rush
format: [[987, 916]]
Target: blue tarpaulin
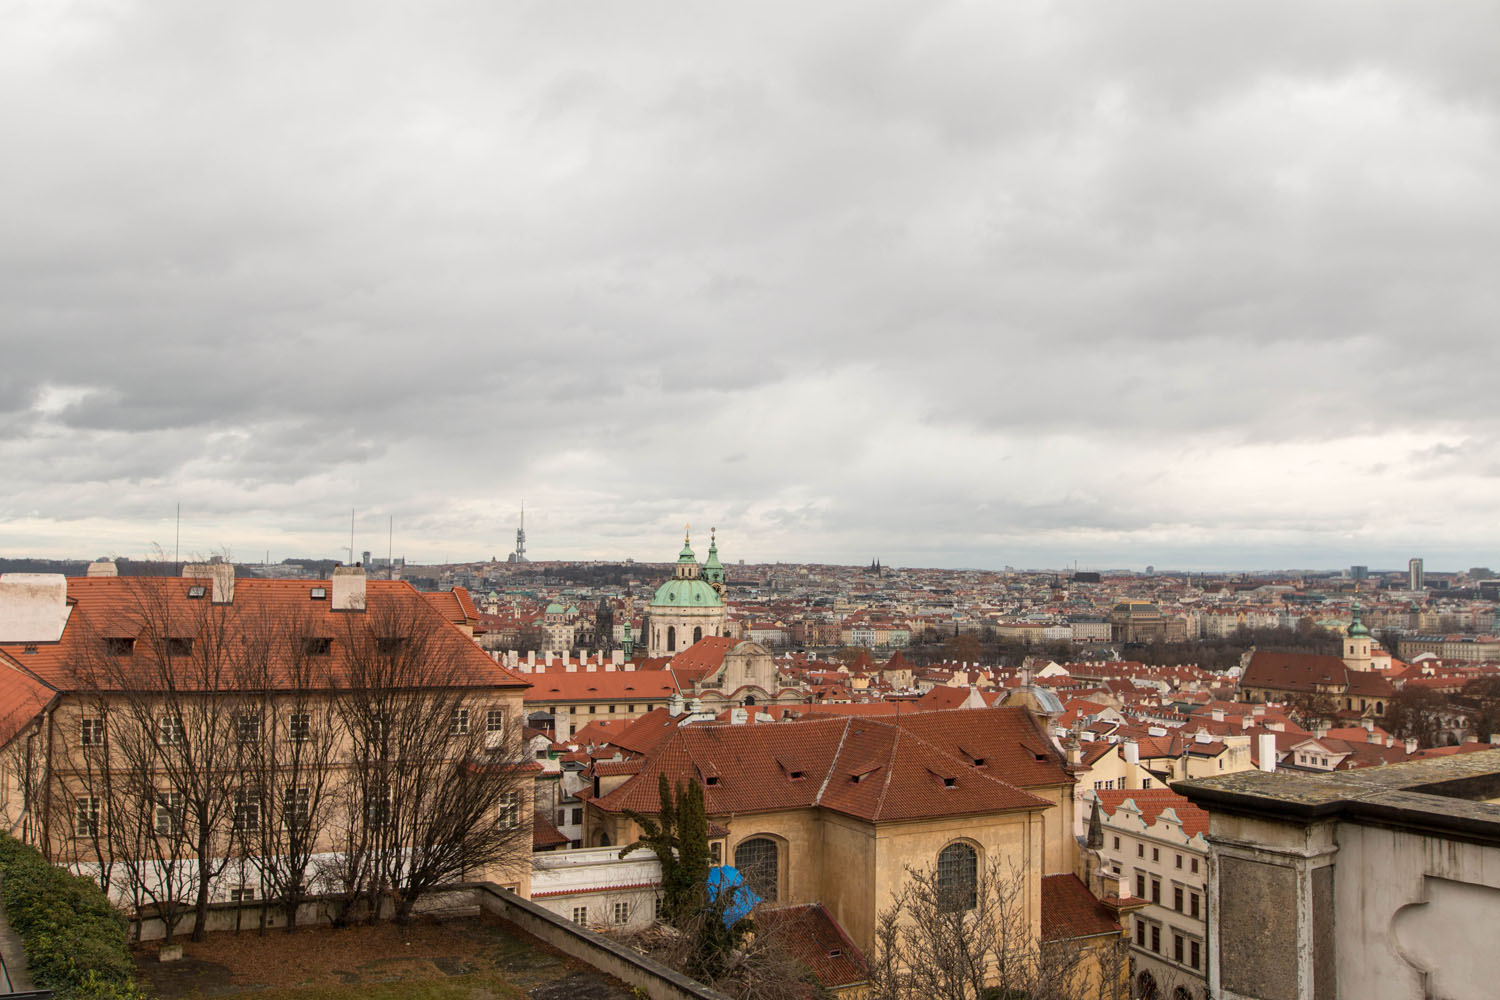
[[741, 899]]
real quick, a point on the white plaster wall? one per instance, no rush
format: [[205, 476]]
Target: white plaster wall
[[1407, 905]]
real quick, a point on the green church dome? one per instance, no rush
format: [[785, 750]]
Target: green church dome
[[686, 594]]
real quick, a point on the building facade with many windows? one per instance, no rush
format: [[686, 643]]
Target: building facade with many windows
[[1156, 840]]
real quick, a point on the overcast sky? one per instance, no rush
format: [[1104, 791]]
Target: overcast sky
[[952, 284]]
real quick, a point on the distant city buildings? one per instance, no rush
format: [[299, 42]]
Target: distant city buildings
[[1415, 579]]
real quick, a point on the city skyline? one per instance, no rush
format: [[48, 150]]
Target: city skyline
[[1197, 287]]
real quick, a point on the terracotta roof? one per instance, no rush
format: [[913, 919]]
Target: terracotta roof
[[454, 605], [1070, 911], [809, 934], [873, 769], [600, 686], [22, 697], [1152, 802], [133, 607], [707, 652], [544, 834]]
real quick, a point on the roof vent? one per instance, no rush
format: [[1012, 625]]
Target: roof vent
[[196, 591], [950, 782], [318, 593], [712, 779]]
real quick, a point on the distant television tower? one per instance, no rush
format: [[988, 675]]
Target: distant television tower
[[520, 554]]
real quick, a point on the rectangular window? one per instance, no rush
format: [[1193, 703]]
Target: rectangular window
[[299, 727], [459, 724], [510, 809], [1193, 864], [247, 728], [247, 810], [1156, 939], [86, 816], [716, 852], [494, 720], [1177, 898], [1155, 854], [1140, 932], [92, 733], [1195, 954], [1140, 850], [1193, 904], [1177, 953], [378, 807], [1140, 885], [296, 808], [317, 646], [168, 819], [1179, 861], [179, 647], [243, 894], [119, 647], [611, 710], [578, 815], [170, 731], [1145, 782], [1117, 843], [580, 915], [622, 912], [1156, 890]]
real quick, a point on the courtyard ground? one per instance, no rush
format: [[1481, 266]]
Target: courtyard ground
[[468, 958]]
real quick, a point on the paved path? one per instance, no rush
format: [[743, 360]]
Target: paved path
[[13, 975]]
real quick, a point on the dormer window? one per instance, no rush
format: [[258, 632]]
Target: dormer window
[[318, 594], [118, 646], [950, 782], [317, 646], [979, 761], [712, 779]]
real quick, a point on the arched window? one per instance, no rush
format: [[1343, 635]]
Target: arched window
[[697, 633], [671, 638], [957, 878], [1379, 708], [759, 862], [1145, 986]]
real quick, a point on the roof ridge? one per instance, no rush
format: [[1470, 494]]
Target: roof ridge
[[890, 771], [833, 762]]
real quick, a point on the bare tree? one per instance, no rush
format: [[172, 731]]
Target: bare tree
[[948, 937], [291, 773], [437, 787], [160, 677]]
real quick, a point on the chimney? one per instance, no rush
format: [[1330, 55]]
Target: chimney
[[103, 567], [1411, 747], [1320, 732], [617, 657], [1245, 722], [1218, 715], [566, 658], [33, 607], [1369, 725], [531, 657], [1132, 752], [547, 658], [348, 588], [1267, 751], [1495, 739], [1372, 737], [222, 575], [592, 668]]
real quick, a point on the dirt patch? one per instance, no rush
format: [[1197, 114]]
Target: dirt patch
[[491, 955]]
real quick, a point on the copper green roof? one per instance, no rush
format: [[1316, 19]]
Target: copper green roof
[[686, 594]]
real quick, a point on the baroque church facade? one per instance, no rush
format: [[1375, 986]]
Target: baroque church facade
[[689, 606]]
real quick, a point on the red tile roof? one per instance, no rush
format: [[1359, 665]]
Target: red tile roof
[[130, 607], [1070, 911], [544, 834], [1152, 802], [917, 766], [809, 934], [22, 697], [599, 686]]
